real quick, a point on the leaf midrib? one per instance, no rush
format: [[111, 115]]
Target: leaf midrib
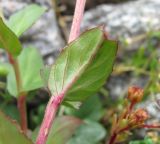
[[82, 68]]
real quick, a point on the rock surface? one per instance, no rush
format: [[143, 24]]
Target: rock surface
[[44, 34], [127, 20], [122, 21]]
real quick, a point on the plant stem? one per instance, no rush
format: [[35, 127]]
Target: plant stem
[[151, 126], [22, 112], [15, 65], [49, 116], [112, 139], [21, 102], [55, 101], [78, 15]]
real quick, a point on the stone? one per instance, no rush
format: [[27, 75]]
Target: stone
[[44, 34], [127, 20]]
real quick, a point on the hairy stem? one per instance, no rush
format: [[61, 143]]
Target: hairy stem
[[49, 116], [78, 15], [21, 95], [55, 101]]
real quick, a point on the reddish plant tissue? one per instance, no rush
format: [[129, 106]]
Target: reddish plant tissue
[[133, 118], [55, 101]]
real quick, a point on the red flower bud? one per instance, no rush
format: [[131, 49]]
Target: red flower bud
[[139, 116], [135, 94]]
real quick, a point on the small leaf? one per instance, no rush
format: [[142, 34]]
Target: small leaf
[[88, 133], [10, 132], [83, 66], [8, 40], [4, 68], [90, 109], [145, 141], [25, 18], [30, 63]]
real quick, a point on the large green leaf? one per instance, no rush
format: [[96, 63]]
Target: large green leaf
[[10, 132], [83, 66], [88, 133], [8, 40], [62, 130], [24, 19], [30, 63]]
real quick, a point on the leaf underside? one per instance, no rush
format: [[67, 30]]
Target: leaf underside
[[83, 66], [62, 130], [10, 132]]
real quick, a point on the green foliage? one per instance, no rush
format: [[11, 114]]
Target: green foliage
[[30, 62], [88, 133], [83, 66], [10, 132], [4, 69], [145, 141], [91, 109], [8, 40], [10, 110], [62, 130], [25, 18]]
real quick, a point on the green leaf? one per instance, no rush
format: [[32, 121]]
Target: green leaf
[[25, 18], [8, 40], [83, 66], [145, 141], [88, 133], [10, 132], [4, 68], [45, 72], [30, 63], [90, 109], [62, 130], [10, 110]]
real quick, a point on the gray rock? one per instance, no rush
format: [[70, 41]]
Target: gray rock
[[125, 20], [118, 84], [44, 34]]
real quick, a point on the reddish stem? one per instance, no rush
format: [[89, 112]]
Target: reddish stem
[[131, 106], [49, 116], [21, 96], [112, 139], [23, 112], [15, 65], [55, 101], [78, 15], [115, 134], [150, 126]]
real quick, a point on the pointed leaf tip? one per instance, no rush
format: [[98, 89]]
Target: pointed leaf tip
[[8, 40]]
